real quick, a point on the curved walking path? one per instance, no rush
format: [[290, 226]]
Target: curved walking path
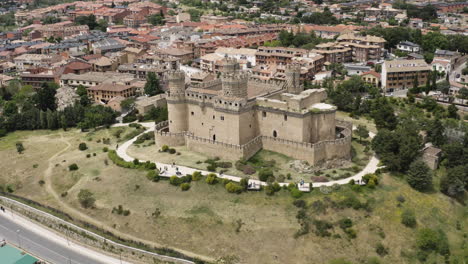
[[371, 166]]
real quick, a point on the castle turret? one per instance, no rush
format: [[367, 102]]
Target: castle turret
[[230, 66], [293, 82], [234, 82], [176, 101]]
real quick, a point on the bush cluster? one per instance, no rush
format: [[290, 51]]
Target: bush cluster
[[232, 187], [82, 146], [130, 165], [241, 165], [211, 178], [185, 186], [153, 176], [73, 167], [144, 137], [120, 211]]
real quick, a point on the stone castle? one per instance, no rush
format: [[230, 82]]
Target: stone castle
[[235, 116]]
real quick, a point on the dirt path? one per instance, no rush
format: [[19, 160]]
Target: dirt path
[[83, 216]]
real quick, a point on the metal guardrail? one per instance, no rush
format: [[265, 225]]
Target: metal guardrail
[[94, 234]]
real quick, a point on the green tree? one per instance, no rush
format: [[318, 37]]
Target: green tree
[[362, 132], [19, 147], [384, 114], [86, 198], [455, 181], [419, 176], [152, 85], [45, 96], [90, 21], [436, 133], [408, 218], [453, 112]]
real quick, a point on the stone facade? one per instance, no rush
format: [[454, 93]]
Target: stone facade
[[235, 116]]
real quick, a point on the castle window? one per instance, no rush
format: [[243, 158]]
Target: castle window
[[222, 118], [214, 137], [213, 117], [285, 118], [264, 114], [192, 113], [275, 134]]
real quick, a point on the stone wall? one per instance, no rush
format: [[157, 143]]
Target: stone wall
[[162, 136]]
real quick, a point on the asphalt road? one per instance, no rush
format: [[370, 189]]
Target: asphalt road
[[40, 244]]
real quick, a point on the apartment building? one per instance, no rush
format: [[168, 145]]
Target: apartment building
[[400, 74], [277, 55], [27, 61], [104, 92], [334, 52], [364, 48], [95, 78]]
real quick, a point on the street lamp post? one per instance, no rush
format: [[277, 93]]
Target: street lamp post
[[18, 237]]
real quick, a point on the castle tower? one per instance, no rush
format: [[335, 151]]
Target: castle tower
[[234, 82], [176, 101], [293, 82], [230, 65]]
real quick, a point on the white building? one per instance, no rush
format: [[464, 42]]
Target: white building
[[408, 46], [245, 57]]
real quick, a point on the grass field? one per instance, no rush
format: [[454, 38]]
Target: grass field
[[206, 219]]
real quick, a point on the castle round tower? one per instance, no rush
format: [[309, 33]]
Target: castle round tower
[[293, 81], [176, 101]]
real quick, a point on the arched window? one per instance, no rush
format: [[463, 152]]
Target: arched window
[[275, 134], [214, 137]]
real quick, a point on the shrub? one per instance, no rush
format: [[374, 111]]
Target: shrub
[[82, 146], [136, 162], [73, 167], [174, 180], [295, 193], [105, 149], [211, 167], [408, 218], [322, 227], [224, 164], [232, 187], [86, 198], [41, 182], [196, 176], [88, 155], [299, 203], [172, 151], [10, 188], [211, 178], [185, 186], [264, 174], [244, 182], [381, 250], [164, 148], [351, 232], [153, 175], [269, 190], [345, 223]]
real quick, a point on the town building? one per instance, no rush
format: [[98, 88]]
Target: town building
[[400, 74], [408, 46], [104, 92], [235, 116], [27, 61]]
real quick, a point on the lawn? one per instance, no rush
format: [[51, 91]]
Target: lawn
[[207, 221]]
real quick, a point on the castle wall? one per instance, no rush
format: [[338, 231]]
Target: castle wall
[[295, 150], [170, 139], [214, 148], [322, 127], [290, 128]]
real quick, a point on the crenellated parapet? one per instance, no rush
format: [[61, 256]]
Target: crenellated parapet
[[235, 85]]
